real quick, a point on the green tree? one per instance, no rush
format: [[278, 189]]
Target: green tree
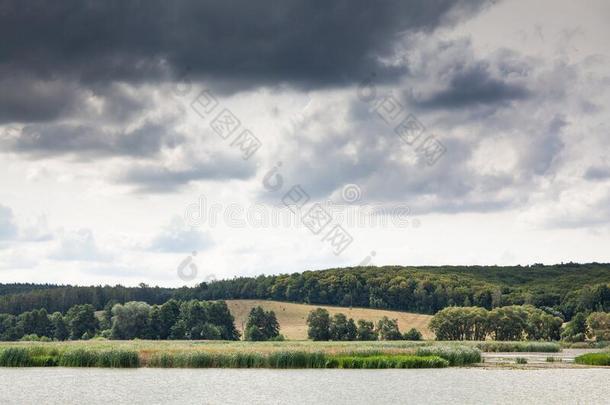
[[261, 325], [388, 329], [220, 315], [366, 330], [576, 329], [9, 329], [341, 328], [82, 323], [168, 315], [598, 326], [106, 319], [131, 320], [318, 322], [59, 327]]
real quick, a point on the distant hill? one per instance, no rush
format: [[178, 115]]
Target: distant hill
[[293, 317], [562, 289]]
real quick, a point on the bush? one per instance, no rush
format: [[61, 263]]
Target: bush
[[34, 338], [521, 360], [412, 334]]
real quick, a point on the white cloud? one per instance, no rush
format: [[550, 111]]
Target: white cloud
[[79, 245]]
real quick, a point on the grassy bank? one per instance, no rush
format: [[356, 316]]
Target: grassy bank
[[594, 359], [200, 354]]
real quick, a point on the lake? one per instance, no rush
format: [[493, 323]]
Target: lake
[[263, 386]]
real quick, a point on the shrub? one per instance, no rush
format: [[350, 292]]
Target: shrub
[[34, 338], [412, 334], [521, 360]]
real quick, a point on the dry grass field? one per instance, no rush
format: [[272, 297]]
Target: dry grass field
[[293, 317]]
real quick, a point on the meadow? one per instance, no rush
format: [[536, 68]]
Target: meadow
[[293, 317]]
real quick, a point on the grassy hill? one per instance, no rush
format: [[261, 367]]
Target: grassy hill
[[292, 317]]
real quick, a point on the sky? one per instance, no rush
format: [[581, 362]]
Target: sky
[[172, 143]]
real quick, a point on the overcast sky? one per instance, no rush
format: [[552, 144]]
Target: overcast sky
[[133, 134]]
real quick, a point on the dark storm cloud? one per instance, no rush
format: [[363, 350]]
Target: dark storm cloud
[[161, 179], [87, 140], [26, 99], [474, 86], [302, 42]]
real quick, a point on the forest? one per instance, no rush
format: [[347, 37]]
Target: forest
[[182, 320], [562, 290]]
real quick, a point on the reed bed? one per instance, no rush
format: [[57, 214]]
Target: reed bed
[[217, 354], [379, 362], [45, 357], [544, 347], [294, 360], [594, 359], [455, 355]]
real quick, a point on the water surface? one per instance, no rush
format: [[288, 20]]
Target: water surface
[[262, 386]]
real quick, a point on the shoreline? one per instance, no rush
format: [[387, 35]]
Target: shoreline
[[285, 355]]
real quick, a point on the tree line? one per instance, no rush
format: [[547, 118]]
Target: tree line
[[513, 322], [321, 326], [594, 326], [563, 289], [174, 319]]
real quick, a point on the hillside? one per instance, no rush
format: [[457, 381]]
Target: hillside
[[560, 289], [292, 317]]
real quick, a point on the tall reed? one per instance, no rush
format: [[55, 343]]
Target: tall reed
[[545, 347], [396, 361], [455, 355]]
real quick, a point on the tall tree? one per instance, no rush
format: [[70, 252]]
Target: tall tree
[[318, 322], [261, 325], [82, 323]]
